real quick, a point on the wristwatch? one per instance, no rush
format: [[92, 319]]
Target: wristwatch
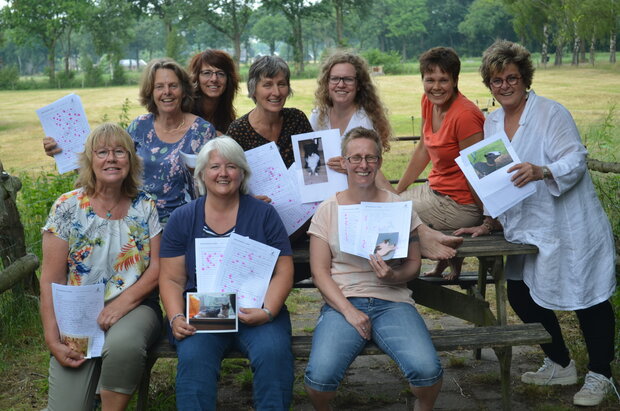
[[546, 173]]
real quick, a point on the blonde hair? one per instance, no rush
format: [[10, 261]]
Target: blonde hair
[[366, 95], [109, 134], [361, 132]]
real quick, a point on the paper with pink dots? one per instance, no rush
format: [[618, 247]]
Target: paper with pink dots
[[246, 270], [271, 178], [65, 121], [209, 258]]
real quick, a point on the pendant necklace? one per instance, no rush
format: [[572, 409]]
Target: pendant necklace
[[177, 127], [108, 213]]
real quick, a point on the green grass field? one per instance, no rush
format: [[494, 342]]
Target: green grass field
[[588, 93]]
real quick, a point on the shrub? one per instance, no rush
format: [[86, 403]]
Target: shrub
[[9, 76], [93, 75], [391, 61]]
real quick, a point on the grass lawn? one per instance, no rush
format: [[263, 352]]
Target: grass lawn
[[588, 93]]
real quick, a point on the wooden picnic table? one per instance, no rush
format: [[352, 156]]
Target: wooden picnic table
[[490, 251]]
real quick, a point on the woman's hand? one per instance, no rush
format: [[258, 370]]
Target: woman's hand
[[335, 164], [66, 356], [50, 146], [181, 328], [263, 198], [359, 321], [380, 267], [111, 313], [253, 316], [474, 231], [525, 172]]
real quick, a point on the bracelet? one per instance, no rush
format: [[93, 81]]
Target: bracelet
[[268, 312], [174, 317]]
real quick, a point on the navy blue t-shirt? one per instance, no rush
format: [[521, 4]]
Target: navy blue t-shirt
[[255, 219]]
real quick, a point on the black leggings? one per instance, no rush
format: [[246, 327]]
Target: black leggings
[[597, 324]]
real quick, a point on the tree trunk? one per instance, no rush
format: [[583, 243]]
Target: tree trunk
[[592, 51], [558, 55], [544, 53], [298, 51], [576, 48], [612, 46], [404, 50], [237, 44], [51, 61], [20, 269], [339, 24]]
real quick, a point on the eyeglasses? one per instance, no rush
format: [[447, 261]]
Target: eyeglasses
[[347, 80], [510, 80], [358, 159], [208, 73], [102, 153]]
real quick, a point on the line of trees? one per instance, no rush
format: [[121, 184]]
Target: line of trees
[[36, 32]]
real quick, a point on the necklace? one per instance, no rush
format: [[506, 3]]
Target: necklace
[[177, 127], [108, 213]]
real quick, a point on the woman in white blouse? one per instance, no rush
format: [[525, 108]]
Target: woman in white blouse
[[574, 268]]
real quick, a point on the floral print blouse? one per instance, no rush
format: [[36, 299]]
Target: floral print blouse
[[166, 179], [112, 252]]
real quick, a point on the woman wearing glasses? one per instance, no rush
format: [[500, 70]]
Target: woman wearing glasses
[[168, 129], [216, 83], [450, 123], [104, 232], [574, 267], [365, 299], [346, 98]]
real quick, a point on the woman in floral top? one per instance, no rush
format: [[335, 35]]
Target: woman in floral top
[[160, 136], [105, 232]]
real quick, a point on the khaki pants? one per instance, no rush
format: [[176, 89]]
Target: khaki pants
[[119, 369], [439, 211]]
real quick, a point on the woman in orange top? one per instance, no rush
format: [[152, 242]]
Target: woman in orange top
[[450, 123]]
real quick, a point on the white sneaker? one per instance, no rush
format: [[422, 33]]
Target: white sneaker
[[595, 389], [552, 373]]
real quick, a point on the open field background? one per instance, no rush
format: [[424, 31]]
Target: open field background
[[588, 93]]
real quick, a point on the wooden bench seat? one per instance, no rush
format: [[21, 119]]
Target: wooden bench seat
[[444, 340]]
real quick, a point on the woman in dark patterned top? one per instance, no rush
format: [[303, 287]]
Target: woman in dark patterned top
[[269, 86]]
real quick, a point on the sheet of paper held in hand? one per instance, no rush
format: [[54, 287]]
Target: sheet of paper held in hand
[[485, 165], [315, 180], [209, 258], [76, 309], [245, 269], [65, 121], [271, 178], [375, 228]]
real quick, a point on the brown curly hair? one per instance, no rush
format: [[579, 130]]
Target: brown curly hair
[[366, 95], [502, 53], [225, 112]]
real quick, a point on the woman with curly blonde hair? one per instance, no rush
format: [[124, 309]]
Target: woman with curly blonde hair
[[347, 98]]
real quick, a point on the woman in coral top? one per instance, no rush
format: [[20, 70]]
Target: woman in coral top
[[450, 123]]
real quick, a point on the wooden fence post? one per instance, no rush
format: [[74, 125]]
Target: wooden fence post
[[12, 241]]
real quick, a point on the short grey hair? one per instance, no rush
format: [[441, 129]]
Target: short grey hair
[[231, 151], [267, 67]]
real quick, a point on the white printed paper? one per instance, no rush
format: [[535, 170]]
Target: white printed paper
[[485, 165], [76, 309], [209, 257], [271, 178], [188, 159], [246, 270], [65, 121], [315, 180], [375, 228]]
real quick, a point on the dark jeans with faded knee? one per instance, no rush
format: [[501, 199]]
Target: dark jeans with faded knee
[[597, 324]]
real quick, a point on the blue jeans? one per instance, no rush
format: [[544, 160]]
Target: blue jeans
[[268, 347], [397, 328]]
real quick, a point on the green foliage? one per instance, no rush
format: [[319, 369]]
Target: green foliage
[[66, 79], [9, 76], [118, 75], [391, 61], [35, 199], [93, 75]]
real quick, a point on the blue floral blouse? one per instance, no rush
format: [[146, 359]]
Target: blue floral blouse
[[166, 179]]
